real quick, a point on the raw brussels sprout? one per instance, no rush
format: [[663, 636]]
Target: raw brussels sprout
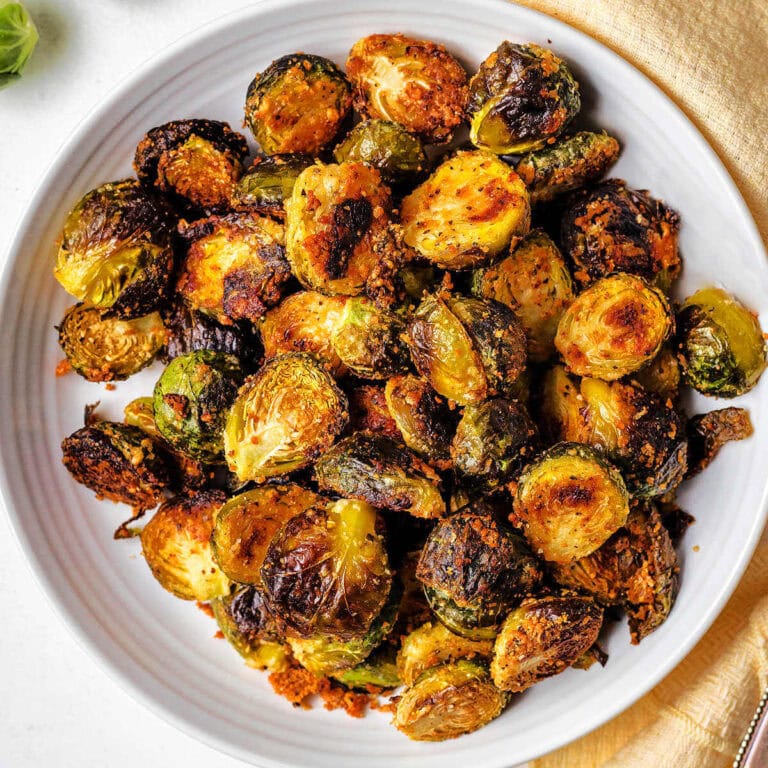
[[101, 347], [235, 266], [432, 644], [176, 546], [449, 701], [415, 83], [18, 38], [118, 462], [613, 328], [662, 375], [535, 283], [115, 250], [474, 569], [268, 183], [542, 637], [423, 418], [397, 154], [304, 322], [571, 163], [521, 98], [284, 417], [468, 349], [368, 411], [636, 568], [721, 344], [297, 104], [569, 501], [250, 630], [367, 340], [378, 670], [709, 432], [327, 572], [334, 218], [247, 523], [191, 400], [612, 228], [469, 210], [382, 472]]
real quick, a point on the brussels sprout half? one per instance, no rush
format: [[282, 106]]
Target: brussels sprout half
[[268, 183], [469, 210], [520, 99], [415, 83], [297, 104]]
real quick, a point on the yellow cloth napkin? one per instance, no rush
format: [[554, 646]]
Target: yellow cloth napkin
[[709, 56]]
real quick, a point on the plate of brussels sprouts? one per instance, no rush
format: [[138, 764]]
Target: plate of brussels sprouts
[[400, 337]]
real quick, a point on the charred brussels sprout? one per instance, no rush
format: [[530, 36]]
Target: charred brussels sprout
[[468, 211], [191, 400], [382, 472], [247, 523], [326, 571], [520, 99], [176, 546], [115, 250], [613, 328], [709, 432], [467, 348], [368, 411], [284, 417], [397, 154], [335, 217], [378, 670], [297, 104], [268, 183], [543, 637], [104, 348], [118, 462], [569, 501], [636, 568], [235, 266], [449, 701], [612, 228], [569, 164], [415, 83], [721, 344], [534, 281], [195, 162]]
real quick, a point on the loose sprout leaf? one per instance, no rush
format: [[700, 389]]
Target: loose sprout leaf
[[709, 432]]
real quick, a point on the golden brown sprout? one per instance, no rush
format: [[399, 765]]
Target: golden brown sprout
[[709, 432], [415, 83], [662, 375]]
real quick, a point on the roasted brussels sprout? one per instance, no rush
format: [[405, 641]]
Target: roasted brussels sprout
[[382, 472], [415, 83], [367, 340], [542, 637], [467, 348], [569, 501], [612, 228], [335, 216], [613, 328], [101, 347], [297, 104], [191, 401], [235, 266], [176, 546], [417, 278], [423, 418], [118, 462], [247, 523], [115, 250], [721, 344], [709, 432], [368, 411], [378, 670], [449, 701], [268, 183], [534, 281], [397, 154], [284, 417], [521, 98], [195, 162], [569, 164], [469, 210], [662, 375], [636, 568], [327, 572]]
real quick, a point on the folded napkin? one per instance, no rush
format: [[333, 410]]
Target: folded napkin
[[709, 56]]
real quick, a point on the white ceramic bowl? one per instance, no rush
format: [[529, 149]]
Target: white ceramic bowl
[[160, 648]]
